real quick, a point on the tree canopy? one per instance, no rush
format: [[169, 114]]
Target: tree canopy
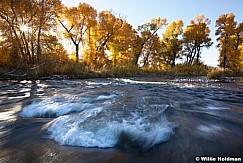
[[230, 42], [32, 32]]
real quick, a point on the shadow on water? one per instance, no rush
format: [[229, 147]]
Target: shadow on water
[[208, 120], [127, 143]]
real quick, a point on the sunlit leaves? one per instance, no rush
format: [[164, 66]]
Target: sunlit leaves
[[25, 24], [172, 45], [77, 21], [195, 37], [122, 45], [230, 37], [147, 44], [102, 36], [33, 29]]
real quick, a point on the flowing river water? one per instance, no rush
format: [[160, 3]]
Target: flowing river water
[[120, 120]]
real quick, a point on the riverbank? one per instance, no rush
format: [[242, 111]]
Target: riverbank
[[80, 71]]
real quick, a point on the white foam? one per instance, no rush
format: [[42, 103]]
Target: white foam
[[103, 128], [98, 83], [54, 107], [62, 104], [211, 129], [105, 97], [139, 82], [180, 85], [25, 82], [215, 108]]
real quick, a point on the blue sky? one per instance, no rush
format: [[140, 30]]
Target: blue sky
[[138, 12]]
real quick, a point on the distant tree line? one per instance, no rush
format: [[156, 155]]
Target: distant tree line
[[32, 32]]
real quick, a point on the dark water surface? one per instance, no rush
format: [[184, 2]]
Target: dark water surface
[[120, 120]]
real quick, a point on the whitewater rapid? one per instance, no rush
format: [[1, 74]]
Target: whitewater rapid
[[120, 120], [104, 118], [105, 128]]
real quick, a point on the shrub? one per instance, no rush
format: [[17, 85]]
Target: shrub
[[188, 70], [121, 71], [215, 73]]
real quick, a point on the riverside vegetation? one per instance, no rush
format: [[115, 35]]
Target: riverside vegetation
[[34, 35]]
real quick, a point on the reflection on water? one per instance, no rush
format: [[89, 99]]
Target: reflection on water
[[7, 115], [123, 120]]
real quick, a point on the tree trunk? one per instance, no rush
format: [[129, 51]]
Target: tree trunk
[[139, 54], [194, 51], [39, 51], [237, 42], [146, 62], [25, 42], [173, 59], [19, 44], [77, 54], [225, 59], [198, 54]]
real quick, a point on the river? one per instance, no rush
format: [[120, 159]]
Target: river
[[120, 120]]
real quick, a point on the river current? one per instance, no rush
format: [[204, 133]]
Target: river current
[[120, 120]]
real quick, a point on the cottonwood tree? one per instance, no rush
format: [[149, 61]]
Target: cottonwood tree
[[13, 14], [77, 21], [151, 52], [230, 39], [8, 53], [26, 22], [121, 46], [172, 44], [147, 32], [45, 23], [101, 36], [195, 38]]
